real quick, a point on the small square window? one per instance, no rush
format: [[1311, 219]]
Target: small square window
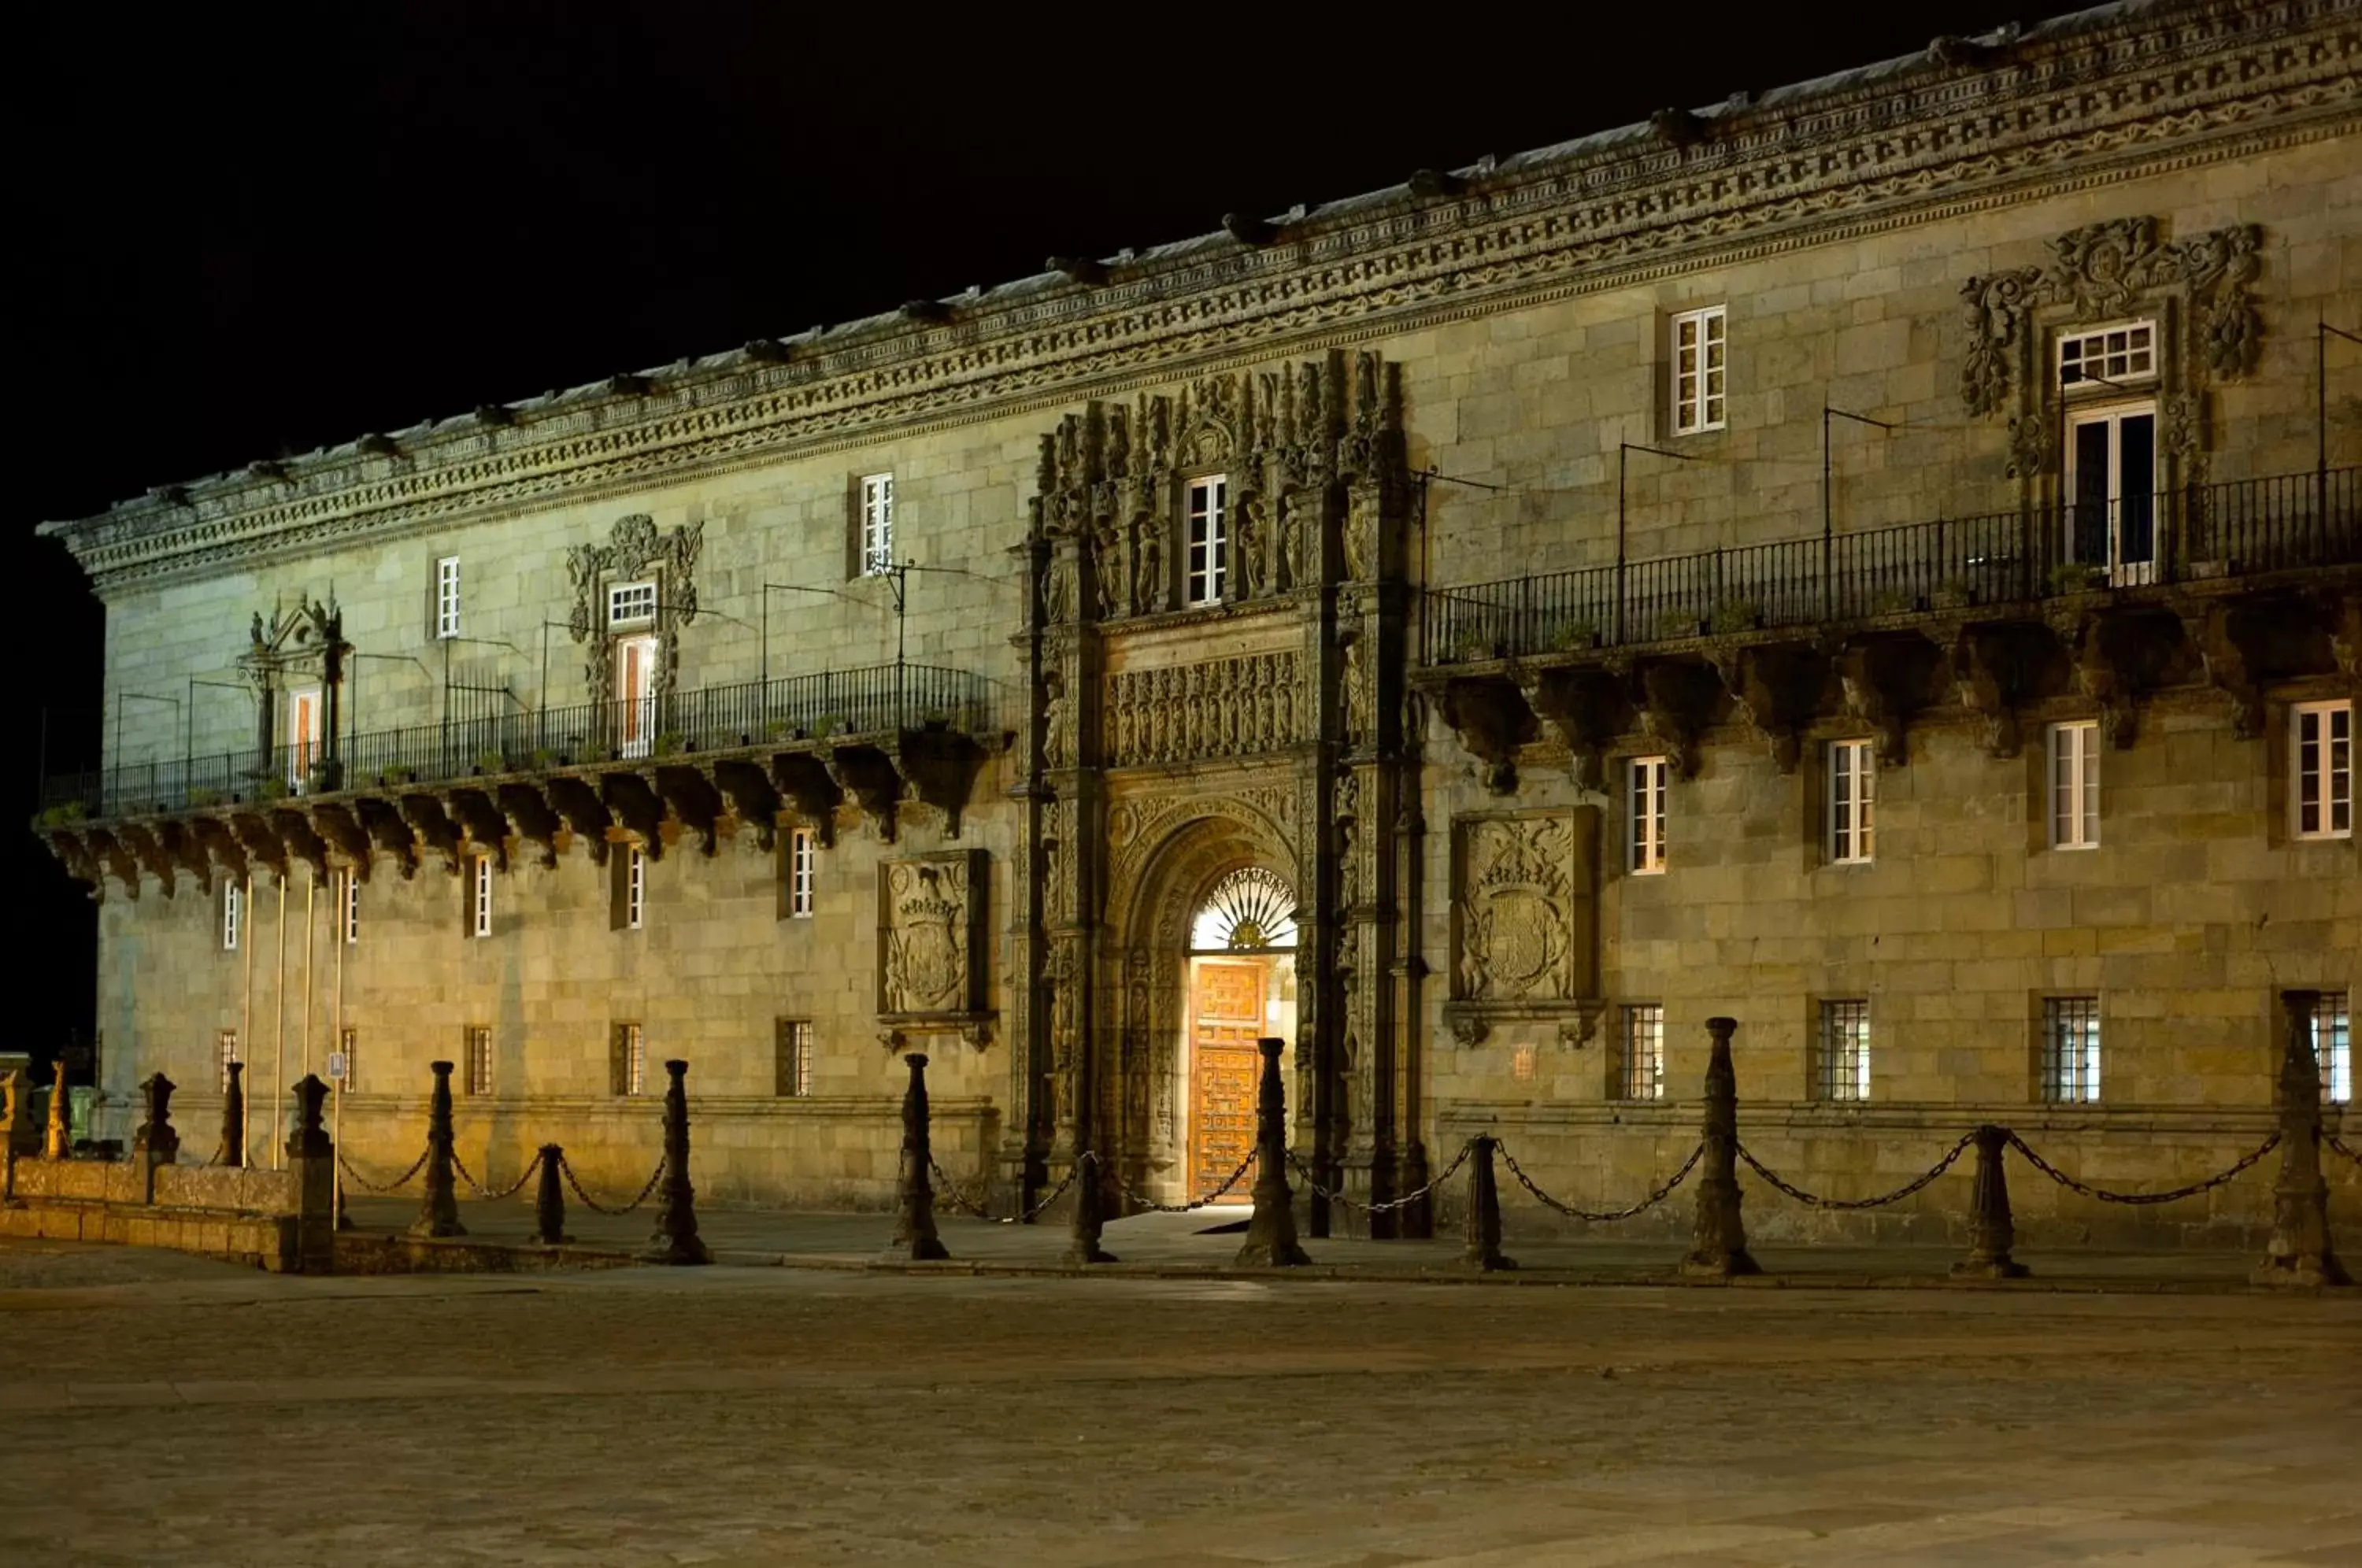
[[446, 597], [1699, 345], [1853, 801], [877, 525], [1844, 1051], [792, 1064], [479, 1059], [1645, 779], [2321, 770], [2125, 352], [630, 605], [2075, 784], [2070, 1050], [1641, 1054]]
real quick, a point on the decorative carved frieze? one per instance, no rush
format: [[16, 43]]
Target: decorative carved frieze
[[930, 940], [1231, 707], [1525, 921]]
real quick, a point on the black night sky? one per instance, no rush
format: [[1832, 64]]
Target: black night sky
[[243, 233]]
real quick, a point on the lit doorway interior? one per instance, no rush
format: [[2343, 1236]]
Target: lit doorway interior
[[1242, 986]]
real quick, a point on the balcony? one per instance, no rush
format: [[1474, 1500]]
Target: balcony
[[2245, 581], [875, 738]]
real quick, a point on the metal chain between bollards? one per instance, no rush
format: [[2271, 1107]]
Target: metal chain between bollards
[[1153, 1206], [565, 1169], [2335, 1142], [1059, 1191], [368, 1185], [1813, 1200], [1391, 1204], [509, 1191], [1547, 1201], [2192, 1191], [947, 1192]]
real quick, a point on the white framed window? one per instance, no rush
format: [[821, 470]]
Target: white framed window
[[1853, 801], [2070, 1050], [348, 906], [233, 914], [800, 861], [1641, 1053], [224, 1052], [877, 525], [630, 605], [627, 1060], [2333, 1046], [1699, 346], [792, 1063], [479, 1045], [479, 895], [2112, 479], [2124, 352], [635, 886], [1645, 787], [1844, 1051], [446, 597], [303, 736], [2321, 770], [635, 695], [1209, 538], [2075, 784]]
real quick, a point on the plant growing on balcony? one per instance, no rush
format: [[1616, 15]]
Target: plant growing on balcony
[[397, 773], [827, 724], [1954, 594], [1575, 636], [671, 744], [270, 790], [1893, 602], [2077, 577], [542, 759], [1677, 623], [1737, 615], [65, 812], [200, 796], [774, 729], [1474, 648], [490, 762]]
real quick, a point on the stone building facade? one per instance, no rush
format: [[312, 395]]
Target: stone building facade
[[1877, 558]]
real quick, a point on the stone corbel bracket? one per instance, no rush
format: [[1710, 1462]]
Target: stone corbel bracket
[[810, 790], [434, 827], [2244, 644], [2122, 654], [483, 822], [694, 801], [1574, 1024], [1885, 681], [294, 831], [76, 856], [576, 800], [532, 819], [940, 769], [637, 809], [148, 850], [255, 836], [900, 1031], [389, 831], [181, 841], [1776, 688], [341, 828], [1493, 721], [752, 799], [1586, 708], [1679, 700], [1999, 667], [870, 775], [221, 845]]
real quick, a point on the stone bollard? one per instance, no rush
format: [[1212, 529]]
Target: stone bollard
[[438, 1211], [17, 1118], [312, 1161], [2300, 1252], [1718, 1237], [1090, 1211], [549, 1200], [914, 1190], [233, 1136], [1271, 1233], [156, 1143], [1992, 1233], [56, 1139], [676, 1241], [1484, 1208]]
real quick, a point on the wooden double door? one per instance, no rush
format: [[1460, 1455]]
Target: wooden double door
[[1226, 1018]]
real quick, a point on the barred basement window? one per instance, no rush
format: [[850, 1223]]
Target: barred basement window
[[479, 1059], [2321, 770], [1844, 1051], [1641, 1054], [2070, 1050], [446, 597], [1209, 539], [1699, 347], [1647, 777], [2075, 784], [2333, 1046], [800, 874], [233, 914], [791, 1058], [224, 1052], [1853, 798], [627, 1060], [2125, 352], [877, 525]]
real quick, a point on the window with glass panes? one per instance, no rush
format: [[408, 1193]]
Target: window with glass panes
[[1843, 1068], [2070, 1050], [877, 525], [2333, 1046], [1641, 1053], [2125, 352], [635, 888], [479, 1044], [1209, 539], [233, 914], [791, 1064], [1699, 371], [2321, 770], [800, 856], [446, 597], [1645, 787], [1853, 799], [224, 1052], [480, 897], [627, 1059], [2075, 784]]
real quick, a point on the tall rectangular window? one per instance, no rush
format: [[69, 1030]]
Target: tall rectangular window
[[2075, 784], [1641, 1053], [303, 736], [479, 1059], [446, 597], [224, 1052], [800, 874], [479, 895], [350, 1037], [348, 905], [1844, 1051], [1853, 799], [792, 1062], [877, 525], [627, 1059], [233, 914], [1646, 787], [1698, 370], [2321, 770], [2070, 1050], [1209, 539], [2333, 1046], [635, 886]]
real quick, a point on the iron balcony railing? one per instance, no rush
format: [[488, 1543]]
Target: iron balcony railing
[[2237, 528], [880, 699]]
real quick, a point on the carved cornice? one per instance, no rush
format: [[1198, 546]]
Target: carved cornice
[[2087, 101]]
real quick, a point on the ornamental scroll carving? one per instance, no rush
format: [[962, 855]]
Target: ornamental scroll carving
[[1232, 707], [1524, 917], [635, 550], [2112, 269], [931, 913]]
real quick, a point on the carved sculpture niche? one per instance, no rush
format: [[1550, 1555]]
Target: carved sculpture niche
[[930, 945], [1525, 921], [1231, 707]]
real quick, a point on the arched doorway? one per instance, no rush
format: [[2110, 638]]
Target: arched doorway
[[1241, 985]]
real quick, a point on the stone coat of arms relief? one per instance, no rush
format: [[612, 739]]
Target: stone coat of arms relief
[[1525, 921], [931, 912]]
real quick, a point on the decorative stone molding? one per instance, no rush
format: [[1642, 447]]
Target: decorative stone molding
[[1524, 919], [635, 550], [1231, 707], [930, 944]]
